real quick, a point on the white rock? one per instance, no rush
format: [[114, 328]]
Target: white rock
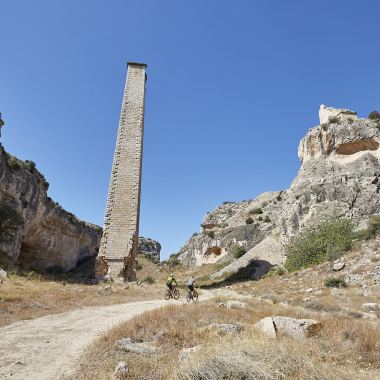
[[226, 327], [296, 328], [371, 306], [3, 273], [266, 327], [121, 371], [325, 113], [128, 345], [338, 266], [231, 304]]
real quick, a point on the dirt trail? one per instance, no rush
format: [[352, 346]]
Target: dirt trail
[[49, 347]]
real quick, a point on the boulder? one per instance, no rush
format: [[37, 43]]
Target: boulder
[[296, 328], [232, 304], [338, 266], [121, 371], [3, 273], [371, 306], [129, 345], [266, 327]]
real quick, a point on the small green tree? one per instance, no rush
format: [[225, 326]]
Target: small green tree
[[374, 115], [267, 219], [256, 211], [237, 251]]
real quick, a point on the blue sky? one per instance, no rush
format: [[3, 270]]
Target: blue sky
[[232, 87]]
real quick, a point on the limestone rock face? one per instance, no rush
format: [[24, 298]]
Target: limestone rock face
[[339, 176], [150, 248], [49, 237], [328, 113]]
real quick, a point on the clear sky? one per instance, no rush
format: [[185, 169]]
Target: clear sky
[[232, 87]]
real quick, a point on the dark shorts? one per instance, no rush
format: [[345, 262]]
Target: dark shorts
[[170, 286], [190, 287]]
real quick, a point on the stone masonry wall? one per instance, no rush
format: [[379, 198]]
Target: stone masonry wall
[[118, 248]]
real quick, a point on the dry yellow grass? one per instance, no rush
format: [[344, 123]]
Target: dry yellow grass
[[346, 348]]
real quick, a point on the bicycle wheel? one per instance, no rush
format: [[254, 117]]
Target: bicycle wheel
[[195, 295], [175, 294], [188, 297], [167, 295]]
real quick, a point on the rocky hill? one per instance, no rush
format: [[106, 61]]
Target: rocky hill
[[339, 177], [37, 232]]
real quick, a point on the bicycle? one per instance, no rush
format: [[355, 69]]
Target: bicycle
[[174, 293], [192, 295]]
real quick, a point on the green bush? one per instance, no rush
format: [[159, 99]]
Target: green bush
[[374, 115], [315, 244], [14, 163], [148, 280], [210, 234], [335, 282], [278, 198], [195, 234], [260, 218], [237, 251], [30, 165], [256, 211], [138, 267], [249, 220], [267, 219], [174, 261]]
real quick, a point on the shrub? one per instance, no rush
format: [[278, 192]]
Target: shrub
[[249, 220], [260, 218], [195, 234], [138, 267], [30, 165], [148, 280], [314, 244], [324, 126], [335, 282], [374, 115], [256, 211], [278, 198], [10, 220], [14, 163], [267, 219], [174, 261], [334, 120], [210, 234], [237, 251]]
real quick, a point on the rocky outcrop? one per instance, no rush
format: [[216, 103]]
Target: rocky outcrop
[[149, 248], [339, 176], [47, 237]]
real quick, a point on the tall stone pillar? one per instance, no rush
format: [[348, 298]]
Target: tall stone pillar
[[118, 247]]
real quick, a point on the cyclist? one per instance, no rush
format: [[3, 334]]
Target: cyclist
[[190, 284], [170, 281]]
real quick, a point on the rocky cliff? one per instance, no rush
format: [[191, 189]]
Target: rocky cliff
[[150, 248], [339, 176], [46, 236]]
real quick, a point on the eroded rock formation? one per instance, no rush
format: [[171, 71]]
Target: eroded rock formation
[[48, 237], [339, 176]]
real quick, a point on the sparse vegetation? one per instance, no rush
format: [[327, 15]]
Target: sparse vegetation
[[10, 221], [335, 282], [210, 234], [267, 219], [237, 251], [334, 120], [374, 115], [256, 211], [148, 280], [314, 244], [249, 220], [260, 218], [14, 163], [278, 198], [195, 234]]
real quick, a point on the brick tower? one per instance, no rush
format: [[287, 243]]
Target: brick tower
[[118, 247]]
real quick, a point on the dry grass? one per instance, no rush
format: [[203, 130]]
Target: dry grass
[[31, 295], [346, 348]]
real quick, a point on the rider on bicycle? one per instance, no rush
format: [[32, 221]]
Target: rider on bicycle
[[170, 281], [190, 284]]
